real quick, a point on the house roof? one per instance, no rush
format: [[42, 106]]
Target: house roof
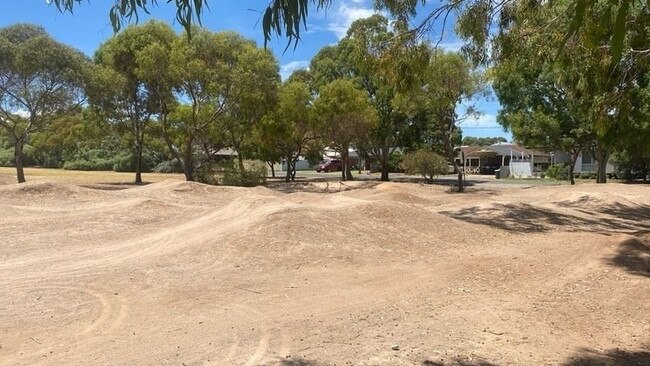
[[500, 150]]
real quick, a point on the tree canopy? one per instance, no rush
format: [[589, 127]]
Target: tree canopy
[[41, 80], [475, 18]]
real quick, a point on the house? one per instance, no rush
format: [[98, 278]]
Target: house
[[328, 154], [585, 163], [487, 159]]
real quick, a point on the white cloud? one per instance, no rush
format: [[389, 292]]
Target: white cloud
[[483, 120], [450, 46], [24, 113], [288, 68], [346, 14]]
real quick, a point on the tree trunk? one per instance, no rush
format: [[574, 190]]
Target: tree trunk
[[188, 163], [461, 182], [572, 166], [385, 168], [601, 175], [138, 163], [293, 170], [451, 156], [18, 155], [602, 156], [240, 160], [189, 173], [289, 161], [272, 169], [344, 163], [348, 172]]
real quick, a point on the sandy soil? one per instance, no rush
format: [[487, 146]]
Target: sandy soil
[[177, 273]]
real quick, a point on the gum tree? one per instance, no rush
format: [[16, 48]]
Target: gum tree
[[41, 80], [290, 126], [129, 88], [345, 116]]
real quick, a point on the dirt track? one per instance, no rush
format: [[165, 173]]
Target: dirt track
[[178, 273]]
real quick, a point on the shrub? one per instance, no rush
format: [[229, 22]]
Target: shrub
[[89, 164], [425, 163], [125, 163], [228, 173], [169, 166], [7, 157], [93, 159], [558, 171], [395, 162]]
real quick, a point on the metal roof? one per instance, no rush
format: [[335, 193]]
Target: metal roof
[[500, 150]]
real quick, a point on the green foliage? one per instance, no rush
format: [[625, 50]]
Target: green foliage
[[475, 18], [41, 80], [168, 166], [590, 175], [7, 157], [123, 11], [286, 131], [91, 160], [345, 116], [395, 162], [482, 141], [558, 171], [313, 154], [131, 83], [228, 172], [426, 163], [254, 174]]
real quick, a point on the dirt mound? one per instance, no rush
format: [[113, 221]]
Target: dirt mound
[[363, 273], [42, 192], [39, 188]]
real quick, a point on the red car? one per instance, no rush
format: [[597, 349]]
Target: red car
[[334, 165]]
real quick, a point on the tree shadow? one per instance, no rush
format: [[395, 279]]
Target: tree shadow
[[634, 256], [615, 357], [318, 186], [114, 186], [458, 362], [591, 216], [526, 218], [296, 362]]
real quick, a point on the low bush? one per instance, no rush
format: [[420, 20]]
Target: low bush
[[93, 164], [169, 166], [94, 159], [395, 162], [7, 157], [228, 173], [425, 163], [558, 171]]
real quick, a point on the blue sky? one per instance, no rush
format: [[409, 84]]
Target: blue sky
[[90, 26]]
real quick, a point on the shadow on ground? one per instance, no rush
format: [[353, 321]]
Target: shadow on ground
[[114, 186], [582, 215], [526, 218], [458, 362], [614, 357], [297, 362], [320, 186], [584, 357], [634, 256]]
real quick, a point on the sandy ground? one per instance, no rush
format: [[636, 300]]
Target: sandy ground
[[177, 273]]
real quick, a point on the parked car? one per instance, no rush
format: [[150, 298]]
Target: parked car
[[334, 165]]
